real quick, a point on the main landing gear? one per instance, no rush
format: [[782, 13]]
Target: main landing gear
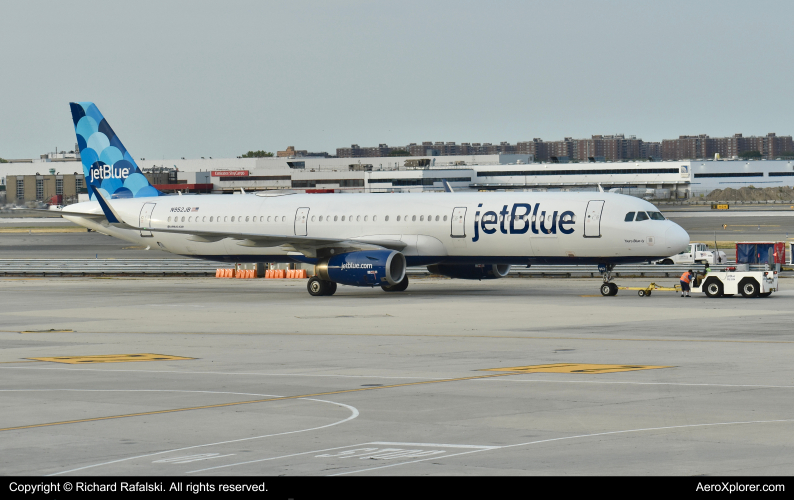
[[608, 289], [318, 287], [399, 287]]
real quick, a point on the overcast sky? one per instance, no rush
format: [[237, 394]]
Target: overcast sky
[[219, 78]]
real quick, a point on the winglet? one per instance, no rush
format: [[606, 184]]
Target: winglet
[[110, 214], [447, 187]]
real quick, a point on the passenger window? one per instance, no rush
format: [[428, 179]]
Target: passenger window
[[365, 218], [169, 219], [312, 218], [246, 218], [421, 218], [398, 218], [642, 216], [283, 218], [436, 218], [336, 217], [358, 218], [232, 218], [413, 218], [210, 218], [343, 218], [656, 215], [629, 217], [350, 219], [445, 218], [268, 218]]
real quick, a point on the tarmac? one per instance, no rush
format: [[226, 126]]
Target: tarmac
[[204, 376]]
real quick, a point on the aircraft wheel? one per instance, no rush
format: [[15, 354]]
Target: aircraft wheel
[[331, 287], [399, 287], [609, 289], [317, 287]]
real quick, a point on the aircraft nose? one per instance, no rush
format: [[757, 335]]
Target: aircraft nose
[[677, 239]]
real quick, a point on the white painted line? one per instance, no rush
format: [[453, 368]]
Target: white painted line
[[434, 445], [580, 436], [478, 448], [669, 427], [405, 463], [271, 458], [353, 410], [191, 458]]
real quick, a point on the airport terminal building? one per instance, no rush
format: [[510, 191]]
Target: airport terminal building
[[40, 180]]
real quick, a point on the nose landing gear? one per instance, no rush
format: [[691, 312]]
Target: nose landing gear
[[608, 289]]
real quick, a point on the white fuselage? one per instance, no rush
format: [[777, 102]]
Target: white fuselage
[[469, 227]]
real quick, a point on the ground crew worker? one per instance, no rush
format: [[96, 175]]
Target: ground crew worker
[[686, 278]]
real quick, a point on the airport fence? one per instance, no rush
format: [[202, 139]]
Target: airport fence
[[184, 267]]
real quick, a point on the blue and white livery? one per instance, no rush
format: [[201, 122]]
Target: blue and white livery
[[367, 239]]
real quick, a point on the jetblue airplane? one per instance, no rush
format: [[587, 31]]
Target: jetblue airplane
[[366, 239]]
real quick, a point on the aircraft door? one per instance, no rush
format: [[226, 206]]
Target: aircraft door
[[301, 221], [592, 220], [458, 222], [145, 218]]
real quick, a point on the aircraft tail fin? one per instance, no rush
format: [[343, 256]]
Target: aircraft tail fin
[[107, 165]]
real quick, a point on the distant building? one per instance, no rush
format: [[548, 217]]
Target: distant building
[[691, 147], [291, 152]]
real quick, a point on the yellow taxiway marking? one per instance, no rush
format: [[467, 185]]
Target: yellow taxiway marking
[[280, 398], [111, 358], [26, 361], [574, 368]]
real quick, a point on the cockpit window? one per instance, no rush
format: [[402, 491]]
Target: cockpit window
[[656, 215], [629, 217], [642, 216]]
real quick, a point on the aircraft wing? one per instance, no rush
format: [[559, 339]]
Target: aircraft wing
[[307, 245]]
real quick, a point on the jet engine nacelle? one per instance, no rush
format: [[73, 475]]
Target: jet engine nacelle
[[364, 268], [471, 271]]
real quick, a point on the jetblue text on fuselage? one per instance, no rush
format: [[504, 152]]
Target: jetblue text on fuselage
[[522, 218], [108, 172]]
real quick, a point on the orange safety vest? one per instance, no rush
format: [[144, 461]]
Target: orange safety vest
[[685, 277]]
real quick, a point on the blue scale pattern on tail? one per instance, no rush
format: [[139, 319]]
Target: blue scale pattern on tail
[[106, 163]]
